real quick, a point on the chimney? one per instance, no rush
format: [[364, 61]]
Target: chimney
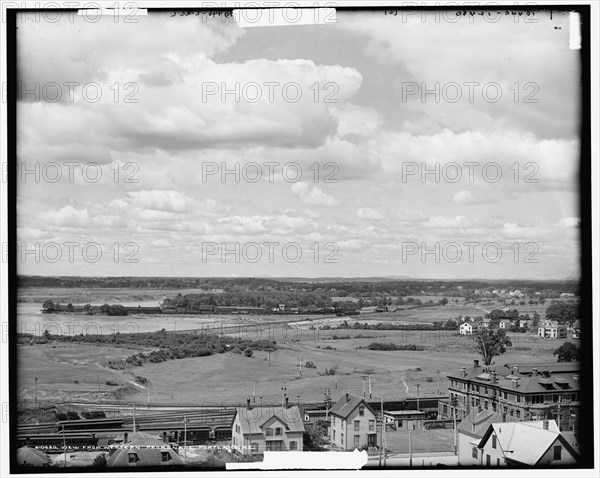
[[515, 369], [475, 363], [248, 403], [287, 402], [534, 371], [347, 398], [494, 377], [125, 436], [515, 383], [576, 379], [545, 423], [27, 441], [463, 371], [504, 417], [165, 437]]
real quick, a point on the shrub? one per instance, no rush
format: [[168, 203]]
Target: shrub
[[111, 384], [310, 364], [248, 352], [100, 461]]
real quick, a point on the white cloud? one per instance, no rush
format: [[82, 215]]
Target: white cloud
[[313, 196], [158, 200], [369, 214]]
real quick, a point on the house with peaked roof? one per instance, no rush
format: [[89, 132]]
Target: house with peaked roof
[[551, 329], [470, 432], [353, 423], [465, 329], [27, 456], [142, 449], [538, 443], [260, 429]]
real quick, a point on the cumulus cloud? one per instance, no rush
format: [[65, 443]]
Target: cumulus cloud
[[313, 196], [369, 214], [166, 201]]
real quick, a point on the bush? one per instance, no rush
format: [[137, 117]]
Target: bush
[[111, 384], [100, 461], [310, 364], [248, 353]]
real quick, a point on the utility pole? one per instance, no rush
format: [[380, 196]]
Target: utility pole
[[35, 393], [269, 358], [409, 447], [185, 420], [254, 391], [364, 386], [134, 418], [418, 404], [300, 365], [438, 374], [148, 400], [283, 389], [454, 423], [384, 434], [370, 394]]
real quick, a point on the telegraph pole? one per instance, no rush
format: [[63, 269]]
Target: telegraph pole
[[185, 420], [438, 374], [418, 404], [254, 391], [409, 447]]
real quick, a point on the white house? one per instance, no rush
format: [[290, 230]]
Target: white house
[[550, 329], [504, 324], [537, 443], [466, 329], [260, 429]]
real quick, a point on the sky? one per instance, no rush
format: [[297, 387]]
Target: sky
[[379, 145]]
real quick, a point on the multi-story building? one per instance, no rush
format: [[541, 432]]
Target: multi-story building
[[522, 392], [260, 429], [353, 423], [550, 329]]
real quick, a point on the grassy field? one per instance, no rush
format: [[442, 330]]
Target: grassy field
[[68, 372], [229, 378]]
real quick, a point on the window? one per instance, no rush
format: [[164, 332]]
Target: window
[[518, 413], [342, 438], [361, 411], [485, 404], [356, 425], [342, 422], [488, 460], [269, 432], [557, 452], [278, 431], [371, 425], [493, 441], [254, 447], [133, 458], [274, 445], [165, 456], [333, 435], [497, 461], [474, 452], [511, 412], [293, 445], [356, 440]]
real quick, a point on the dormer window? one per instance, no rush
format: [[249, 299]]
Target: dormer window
[[361, 411]]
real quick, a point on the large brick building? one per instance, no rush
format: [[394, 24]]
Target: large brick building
[[542, 391]]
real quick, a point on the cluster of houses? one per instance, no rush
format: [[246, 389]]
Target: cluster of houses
[[547, 329]]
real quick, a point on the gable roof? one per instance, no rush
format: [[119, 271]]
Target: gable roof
[[525, 442], [251, 420], [475, 425], [345, 406], [32, 457]]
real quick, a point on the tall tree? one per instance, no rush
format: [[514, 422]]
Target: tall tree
[[490, 343], [567, 352]]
